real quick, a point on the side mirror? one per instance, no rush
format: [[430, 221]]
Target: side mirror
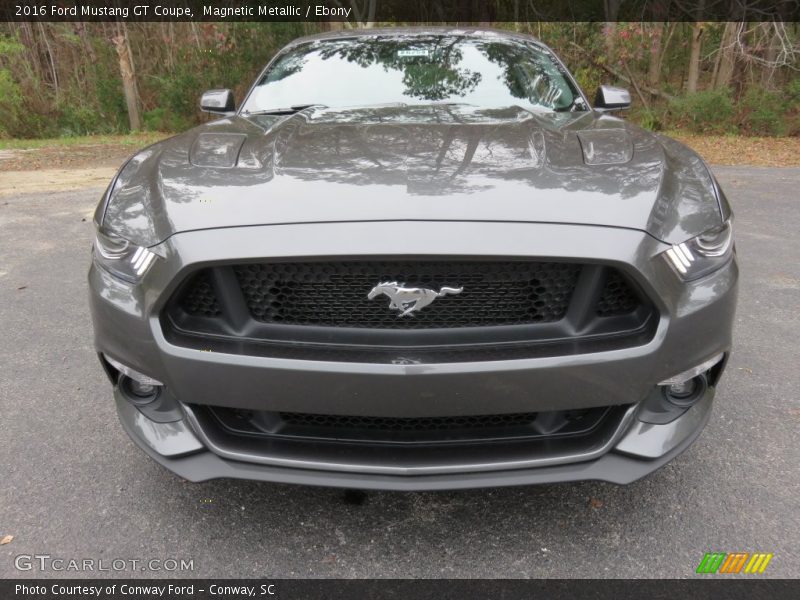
[[611, 98], [217, 101]]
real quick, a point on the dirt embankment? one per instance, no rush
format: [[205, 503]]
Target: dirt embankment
[[730, 150], [60, 167]]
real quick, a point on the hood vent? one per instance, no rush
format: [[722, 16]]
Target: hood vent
[[219, 150], [606, 146]]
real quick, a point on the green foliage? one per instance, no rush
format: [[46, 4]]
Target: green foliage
[[163, 119], [762, 113], [10, 46], [711, 111], [793, 104], [793, 93], [178, 96], [74, 120], [108, 97], [11, 101], [111, 104], [589, 79], [649, 119], [11, 97]]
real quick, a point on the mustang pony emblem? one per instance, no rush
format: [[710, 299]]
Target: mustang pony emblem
[[408, 300]]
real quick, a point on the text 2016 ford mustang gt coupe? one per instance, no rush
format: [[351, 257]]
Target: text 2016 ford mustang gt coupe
[[414, 259]]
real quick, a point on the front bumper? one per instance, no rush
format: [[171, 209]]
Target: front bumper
[[695, 324], [643, 449]]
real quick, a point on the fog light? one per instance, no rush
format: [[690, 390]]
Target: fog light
[[137, 392], [143, 390], [682, 390], [686, 393], [137, 387]]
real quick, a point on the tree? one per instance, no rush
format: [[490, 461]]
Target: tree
[[726, 57], [128, 74], [694, 57], [656, 51]]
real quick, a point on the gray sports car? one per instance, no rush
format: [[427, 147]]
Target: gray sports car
[[414, 259]]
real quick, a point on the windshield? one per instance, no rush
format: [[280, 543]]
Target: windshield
[[485, 72]]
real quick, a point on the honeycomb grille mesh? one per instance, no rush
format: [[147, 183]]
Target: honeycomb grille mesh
[[617, 298], [335, 293], [408, 424], [200, 299]]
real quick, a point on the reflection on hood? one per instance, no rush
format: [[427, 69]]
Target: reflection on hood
[[442, 162]]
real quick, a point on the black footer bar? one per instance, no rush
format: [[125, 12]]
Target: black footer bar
[[700, 588]]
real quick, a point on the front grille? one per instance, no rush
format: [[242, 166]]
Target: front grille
[[617, 298], [334, 294], [315, 309], [200, 298]]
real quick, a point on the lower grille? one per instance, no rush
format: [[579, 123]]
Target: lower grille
[[553, 438], [463, 428], [407, 424]]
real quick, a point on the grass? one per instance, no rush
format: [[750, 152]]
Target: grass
[[131, 139]]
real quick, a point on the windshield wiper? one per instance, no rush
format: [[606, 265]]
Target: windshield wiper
[[444, 103], [289, 110]]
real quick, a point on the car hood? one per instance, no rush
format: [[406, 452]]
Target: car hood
[[441, 162]]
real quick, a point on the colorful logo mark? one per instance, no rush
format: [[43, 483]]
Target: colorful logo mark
[[736, 562]]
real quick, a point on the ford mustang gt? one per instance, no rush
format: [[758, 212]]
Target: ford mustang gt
[[414, 259]]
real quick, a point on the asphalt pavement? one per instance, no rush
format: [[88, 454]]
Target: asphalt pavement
[[73, 486]]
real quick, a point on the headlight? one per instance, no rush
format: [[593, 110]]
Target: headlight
[[703, 254], [120, 257]]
